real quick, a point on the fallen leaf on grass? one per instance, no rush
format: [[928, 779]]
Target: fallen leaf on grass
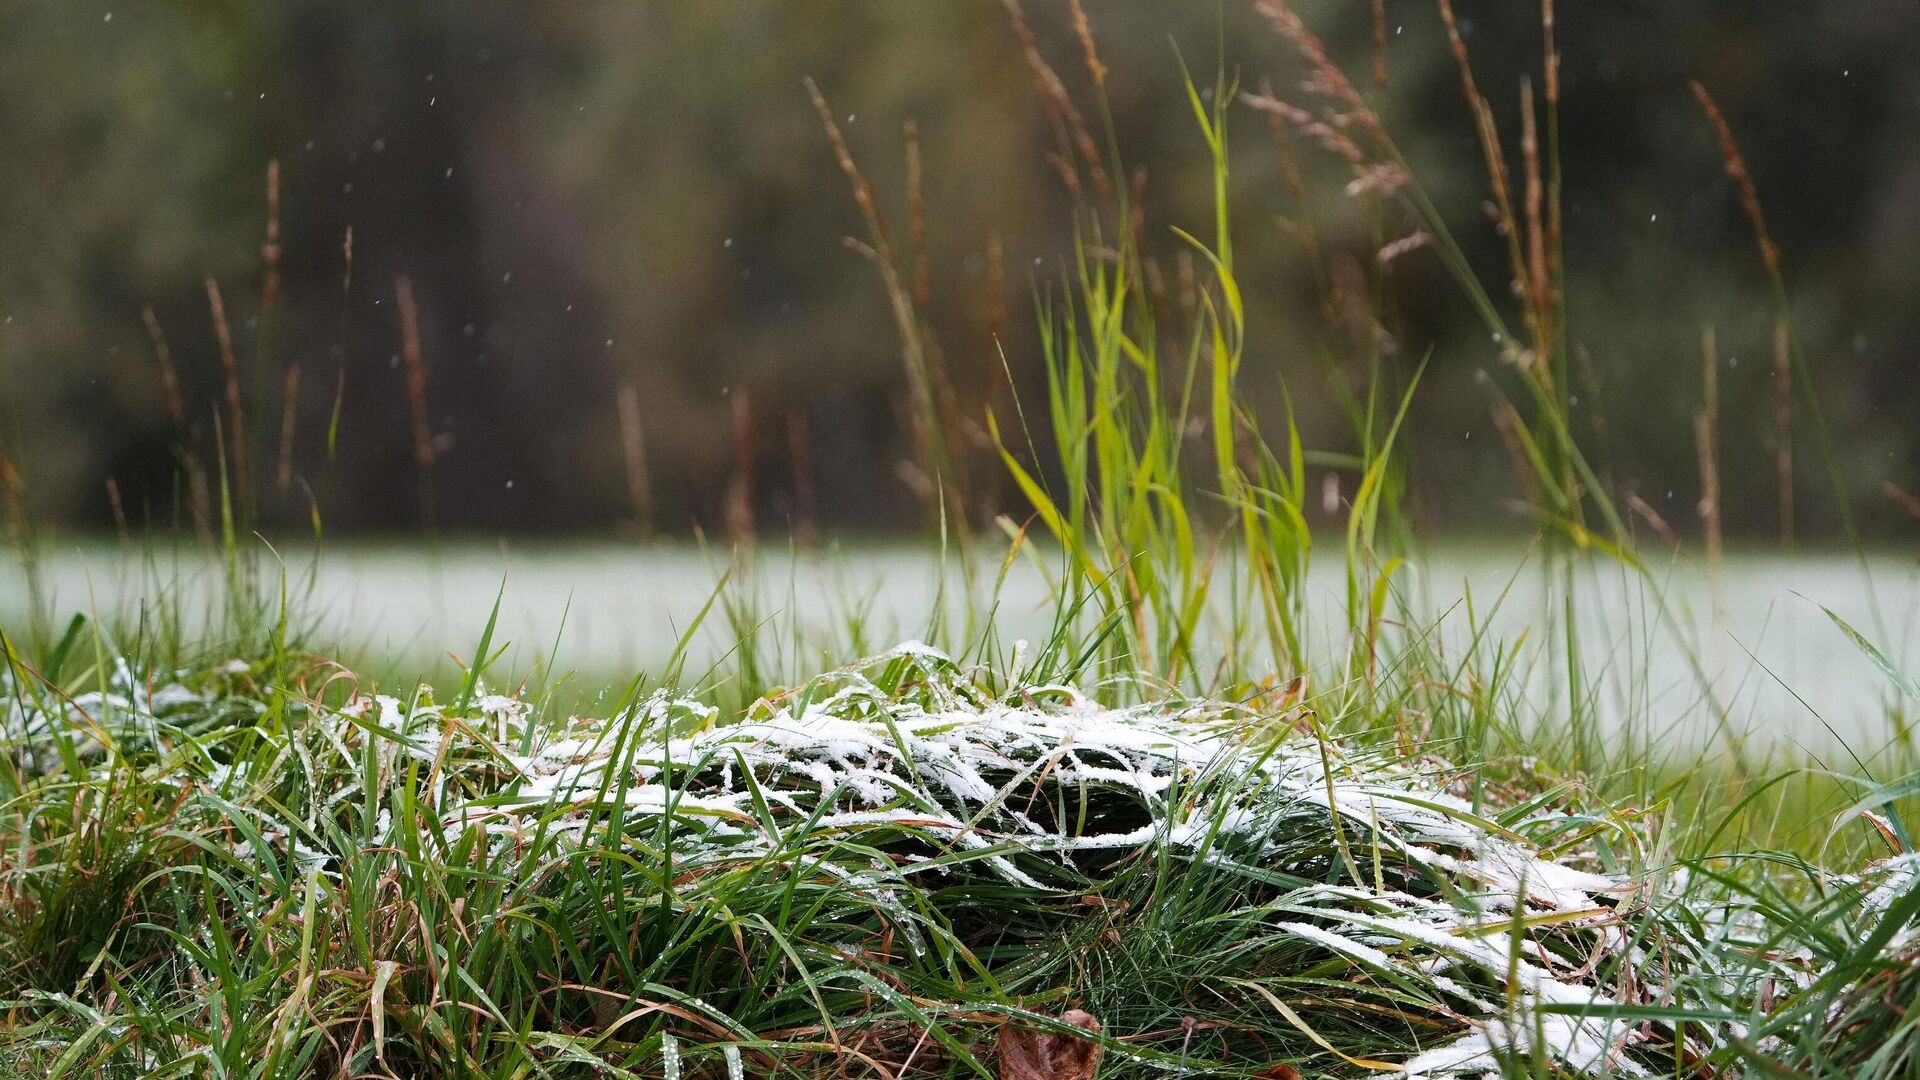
[[1043, 1055]]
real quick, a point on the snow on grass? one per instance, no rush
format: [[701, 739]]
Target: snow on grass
[[1051, 788], [902, 775]]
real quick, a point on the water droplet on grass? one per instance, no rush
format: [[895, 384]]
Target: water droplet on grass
[[669, 1058]]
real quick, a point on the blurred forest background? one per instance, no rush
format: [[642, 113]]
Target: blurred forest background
[[589, 195]]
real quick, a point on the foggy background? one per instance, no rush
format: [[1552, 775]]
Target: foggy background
[[586, 196]]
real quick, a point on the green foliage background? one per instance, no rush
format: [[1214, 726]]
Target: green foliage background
[[589, 194]]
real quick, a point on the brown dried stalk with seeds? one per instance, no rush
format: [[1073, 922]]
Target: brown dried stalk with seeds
[[633, 449], [1070, 125], [1783, 426], [270, 247], [423, 448], [1496, 161], [934, 410], [739, 499], [1539, 282], [169, 377], [1324, 77], [289, 413], [1083, 29], [236, 408], [1736, 166], [1706, 426]]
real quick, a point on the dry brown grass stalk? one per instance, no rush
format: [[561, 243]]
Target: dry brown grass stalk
[[1301, 225], [119, 509], [1330, 138], [200, 500], [1188, 279], [1550, 64], [1411, 242], [1324, 78], [1156, 281], [1137, 210], [917, 218], [1783, 426], [169, 377], [236, 409], [1901, 498], [12, 488], [1647, 513], [1289, 161], [945, 398], [739, 507], [1070, 125], [806, 510], [339, 400], [1508, 424], [270, 247], [1380, 44], [996, 306], [1343, 110], [13, 500], [935, 409], [1736, 166], [1350, 300], [1540, 298], [1496, 161], [1706, 427], [346, 254], [289, 414], [633, 446], [1551, 53], [416, 366], [882, 246], [1083, 29]]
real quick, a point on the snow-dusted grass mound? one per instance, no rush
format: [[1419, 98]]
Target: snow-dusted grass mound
[[876, 871], [1314, 888]]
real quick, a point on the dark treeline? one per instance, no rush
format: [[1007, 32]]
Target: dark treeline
[[593, 202]]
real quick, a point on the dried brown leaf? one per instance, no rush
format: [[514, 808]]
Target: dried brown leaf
[[1041, 1055]]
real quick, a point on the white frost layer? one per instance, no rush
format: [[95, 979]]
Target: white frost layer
[[962, 774], [944, 765]]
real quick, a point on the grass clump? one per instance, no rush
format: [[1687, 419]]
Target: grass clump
[[871, 873]]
